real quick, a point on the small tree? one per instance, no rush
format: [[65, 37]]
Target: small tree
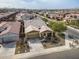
[[45, 20], [57, 27]]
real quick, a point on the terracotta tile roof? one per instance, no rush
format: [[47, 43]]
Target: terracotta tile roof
[[31, 28], [12, 27], [5, 14], [37, 22]]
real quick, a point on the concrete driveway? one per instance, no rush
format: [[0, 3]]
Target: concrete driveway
[[35, 45], [8, 49]]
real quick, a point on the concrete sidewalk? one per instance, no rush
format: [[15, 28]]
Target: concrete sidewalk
[[41, 52], [45, 51]]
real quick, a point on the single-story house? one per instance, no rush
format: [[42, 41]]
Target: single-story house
[[36, 28]]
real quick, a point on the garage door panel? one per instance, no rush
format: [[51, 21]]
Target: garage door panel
[[33, 35]]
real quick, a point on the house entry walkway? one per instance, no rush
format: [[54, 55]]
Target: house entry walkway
[[35, 45]]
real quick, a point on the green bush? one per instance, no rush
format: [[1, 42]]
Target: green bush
[[57, 26], [45, 20]]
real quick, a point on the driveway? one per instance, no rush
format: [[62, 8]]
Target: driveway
[[8, 49], [35, 45]]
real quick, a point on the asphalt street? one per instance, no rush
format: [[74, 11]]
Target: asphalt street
[[70, 54]]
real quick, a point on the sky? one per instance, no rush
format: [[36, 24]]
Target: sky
[[39, 4]]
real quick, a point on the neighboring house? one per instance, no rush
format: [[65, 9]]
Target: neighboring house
[[72, 15], [56, 16], [9, 16], [9, 31], [27, 16]]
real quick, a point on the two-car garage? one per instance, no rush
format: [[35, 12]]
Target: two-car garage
[[31, 32]]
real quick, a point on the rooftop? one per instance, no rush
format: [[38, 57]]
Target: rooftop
[[11, 27], [4, 16], [37, 22], [31, 28]]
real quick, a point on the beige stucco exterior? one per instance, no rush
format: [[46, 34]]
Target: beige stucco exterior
[[32, 34]]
